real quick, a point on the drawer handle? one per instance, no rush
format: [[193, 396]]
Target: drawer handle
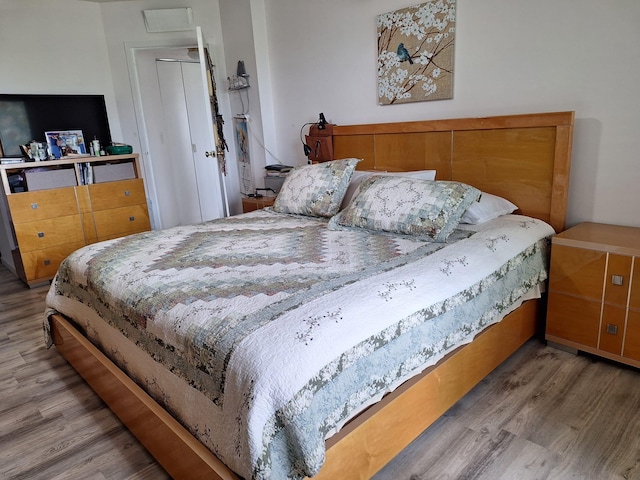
[[612, 329], [40, 234], [127, 193], [47, 262], [132, 219], [617, 280], [34, 206]]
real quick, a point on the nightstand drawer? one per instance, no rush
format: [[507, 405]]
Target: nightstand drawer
[[632, 336], [105, 196], [118, 222], [616, 290], [249, 204], [634, 295], [569, 264], [49, 233], [573, 318], [31, 206]]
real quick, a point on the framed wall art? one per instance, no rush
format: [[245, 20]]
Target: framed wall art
[[415, 53]]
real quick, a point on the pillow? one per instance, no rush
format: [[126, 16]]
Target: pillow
[[425, 208], [316, 190], [487, 208], [358, 176]]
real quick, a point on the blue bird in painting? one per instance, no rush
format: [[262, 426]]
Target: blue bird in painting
[[403, 54]]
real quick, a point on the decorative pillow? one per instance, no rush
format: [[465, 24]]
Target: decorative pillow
[[358, 176], [411, 206], [316, 190], [487, 208]]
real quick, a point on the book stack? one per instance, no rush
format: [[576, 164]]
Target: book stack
[[277, 170], [275, 175]]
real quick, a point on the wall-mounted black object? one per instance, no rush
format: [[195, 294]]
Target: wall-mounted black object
[[318, 144], [25, 117]]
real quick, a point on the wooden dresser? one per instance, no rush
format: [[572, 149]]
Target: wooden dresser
[[70, 203], [594, 291]]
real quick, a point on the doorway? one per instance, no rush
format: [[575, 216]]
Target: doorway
[[184, 185]]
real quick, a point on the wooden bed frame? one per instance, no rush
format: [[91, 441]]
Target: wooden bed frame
[[524, 158]]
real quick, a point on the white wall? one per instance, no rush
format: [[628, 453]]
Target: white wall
[[511, 56], [53, 47]]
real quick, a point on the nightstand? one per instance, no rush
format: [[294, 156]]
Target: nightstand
[[594, 291], [249, 204]]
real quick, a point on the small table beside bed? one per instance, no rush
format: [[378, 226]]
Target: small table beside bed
[[319, 337]]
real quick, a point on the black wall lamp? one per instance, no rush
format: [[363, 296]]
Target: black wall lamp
[[313, 153]]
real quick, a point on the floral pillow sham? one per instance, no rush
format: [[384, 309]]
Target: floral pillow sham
[[424, 208], [316, 190]]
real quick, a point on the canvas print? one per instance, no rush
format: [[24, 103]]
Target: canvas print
[[415, 53], [242, 152], [69, 143]]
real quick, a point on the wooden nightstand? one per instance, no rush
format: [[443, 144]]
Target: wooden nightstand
[[249, 204], [594, 291]]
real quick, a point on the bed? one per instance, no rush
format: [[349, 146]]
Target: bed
[[521, 158]]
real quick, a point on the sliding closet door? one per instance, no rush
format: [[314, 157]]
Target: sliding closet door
[[194, 177]]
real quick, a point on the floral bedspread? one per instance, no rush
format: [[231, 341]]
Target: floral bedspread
[[288, 329]]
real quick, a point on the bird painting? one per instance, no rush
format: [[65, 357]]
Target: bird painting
[[403, 54]]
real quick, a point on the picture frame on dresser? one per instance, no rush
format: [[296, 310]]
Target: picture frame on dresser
[[65, 143]]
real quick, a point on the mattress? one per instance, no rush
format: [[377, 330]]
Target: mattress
[[264, 333]]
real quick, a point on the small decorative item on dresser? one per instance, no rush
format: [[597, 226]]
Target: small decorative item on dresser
[[594, 291]]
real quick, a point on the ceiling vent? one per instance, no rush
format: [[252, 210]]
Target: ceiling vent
[[168, 20]]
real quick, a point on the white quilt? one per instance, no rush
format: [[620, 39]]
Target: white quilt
[[283, 329]]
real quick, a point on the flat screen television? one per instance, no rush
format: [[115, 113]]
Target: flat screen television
[[25, 117]]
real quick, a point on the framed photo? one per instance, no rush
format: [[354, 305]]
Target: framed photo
[[67, 143]]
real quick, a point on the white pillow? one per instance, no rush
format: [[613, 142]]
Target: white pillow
[[487, 208], [358, 176]]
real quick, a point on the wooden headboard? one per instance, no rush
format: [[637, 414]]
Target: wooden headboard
[[524, 158]]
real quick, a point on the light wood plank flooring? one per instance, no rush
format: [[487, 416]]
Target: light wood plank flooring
[[543, 414]]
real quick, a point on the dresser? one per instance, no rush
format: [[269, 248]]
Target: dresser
[[594, 291], [65, 204]]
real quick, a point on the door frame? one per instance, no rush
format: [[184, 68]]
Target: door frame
[[131, 50]]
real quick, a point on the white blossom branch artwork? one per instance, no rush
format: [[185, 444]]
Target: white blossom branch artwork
[[415, 53]]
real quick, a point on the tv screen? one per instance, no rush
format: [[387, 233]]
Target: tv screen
[[25, 117]]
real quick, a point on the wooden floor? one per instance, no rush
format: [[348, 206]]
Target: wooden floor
[[543, 414]]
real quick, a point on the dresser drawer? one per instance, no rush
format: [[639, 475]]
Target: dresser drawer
[[118, 222], [31, 206], [49, 233], [43, 264], [105, 196]]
